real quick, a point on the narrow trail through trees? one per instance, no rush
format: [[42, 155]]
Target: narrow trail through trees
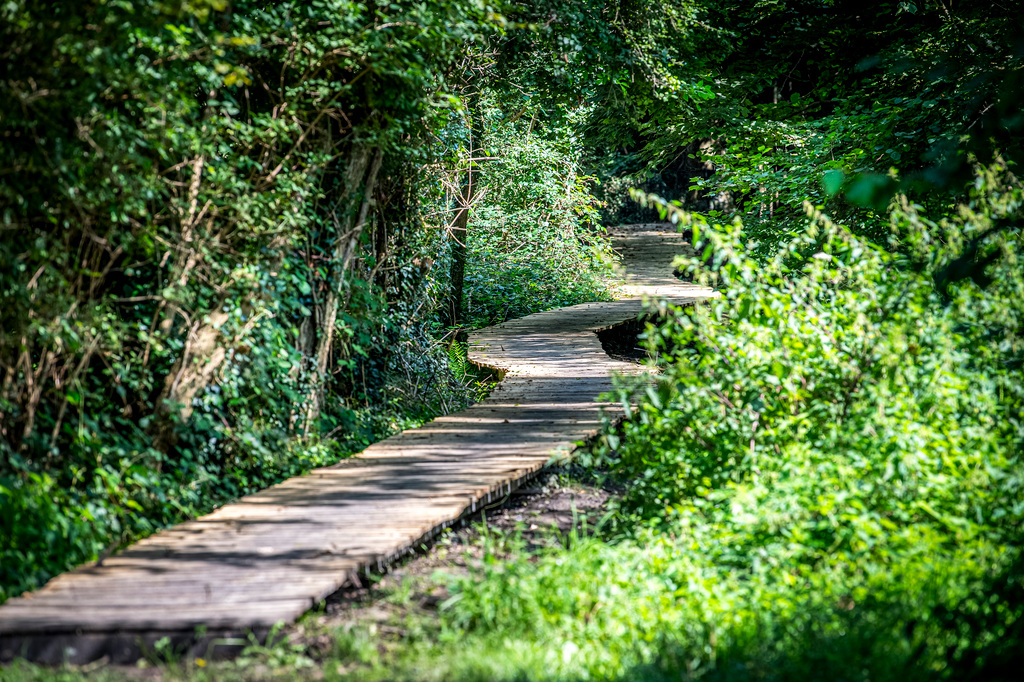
[[272, 556]]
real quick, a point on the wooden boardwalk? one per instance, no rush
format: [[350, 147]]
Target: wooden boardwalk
[[271, 556]]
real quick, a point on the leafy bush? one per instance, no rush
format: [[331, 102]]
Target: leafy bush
[[535, 241], [841, 358]]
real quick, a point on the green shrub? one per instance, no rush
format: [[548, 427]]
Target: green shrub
[[534, 240]]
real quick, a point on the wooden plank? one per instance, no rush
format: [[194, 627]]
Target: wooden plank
[[56, 619]]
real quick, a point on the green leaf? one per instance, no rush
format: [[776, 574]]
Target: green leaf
[[832, 181], [871, 190]]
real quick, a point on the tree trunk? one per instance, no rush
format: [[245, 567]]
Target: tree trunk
[[202, 354], [358, 191], [460, 228], [194, 370]]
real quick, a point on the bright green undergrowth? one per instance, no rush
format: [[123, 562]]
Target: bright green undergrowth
[[656, 609]]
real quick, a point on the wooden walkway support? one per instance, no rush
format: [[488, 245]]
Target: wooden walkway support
[[271, 556]]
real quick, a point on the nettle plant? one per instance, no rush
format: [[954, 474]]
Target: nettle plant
[[839, 401]]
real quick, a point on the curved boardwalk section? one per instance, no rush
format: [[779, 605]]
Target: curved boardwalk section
[[271, 556]]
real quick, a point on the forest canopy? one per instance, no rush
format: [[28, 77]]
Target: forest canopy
[[241, 240]]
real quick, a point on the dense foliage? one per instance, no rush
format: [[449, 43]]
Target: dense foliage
[[532, 236], [227, 247], [843, 104]]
